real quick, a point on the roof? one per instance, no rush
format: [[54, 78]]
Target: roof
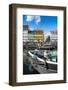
[[25, 27]]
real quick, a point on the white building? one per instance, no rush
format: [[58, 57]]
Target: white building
[[44, 36], [53, 35], [25, 36], [25, 33]]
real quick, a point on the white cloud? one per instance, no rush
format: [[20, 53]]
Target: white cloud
[[31, 28], [37, 19], [29, 18]]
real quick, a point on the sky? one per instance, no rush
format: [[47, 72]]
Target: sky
[[45, 23]]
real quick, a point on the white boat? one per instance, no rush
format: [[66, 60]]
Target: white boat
[[36, 57]]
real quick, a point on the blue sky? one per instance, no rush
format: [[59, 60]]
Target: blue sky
[[45, 23]]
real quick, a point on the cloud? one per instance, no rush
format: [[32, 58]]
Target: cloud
[[31, 28], [37, 19], [29, 18]]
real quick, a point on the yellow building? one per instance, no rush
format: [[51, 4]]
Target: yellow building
[[38, 35]]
